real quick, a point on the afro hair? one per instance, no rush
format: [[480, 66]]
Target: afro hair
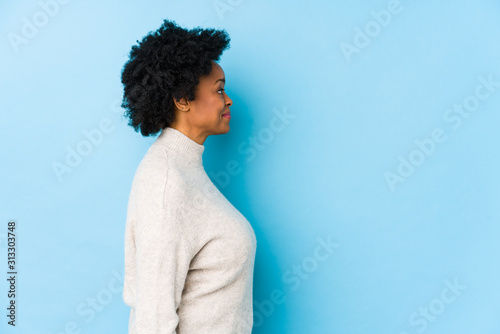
[[167, 64]]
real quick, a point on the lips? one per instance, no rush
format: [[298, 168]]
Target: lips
[[227, 114]]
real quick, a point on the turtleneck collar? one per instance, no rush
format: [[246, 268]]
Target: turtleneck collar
[[177, 141]]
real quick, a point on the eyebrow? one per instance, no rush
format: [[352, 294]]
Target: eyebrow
[[222, 79]]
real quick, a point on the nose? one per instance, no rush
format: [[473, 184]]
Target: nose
[[229, 102]]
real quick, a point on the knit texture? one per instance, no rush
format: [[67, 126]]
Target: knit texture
[[189, 253]]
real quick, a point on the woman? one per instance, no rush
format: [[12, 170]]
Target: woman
[[189, 254]]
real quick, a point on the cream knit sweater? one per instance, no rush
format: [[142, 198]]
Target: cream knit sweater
[[189, 254]]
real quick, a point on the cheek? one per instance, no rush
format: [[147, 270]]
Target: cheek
[[210, 108], [215, 105]]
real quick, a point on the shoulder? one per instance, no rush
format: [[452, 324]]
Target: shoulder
[[159, 176], [152, 179], [153, 168]]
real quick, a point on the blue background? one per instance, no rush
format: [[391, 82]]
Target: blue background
[[355, 117]]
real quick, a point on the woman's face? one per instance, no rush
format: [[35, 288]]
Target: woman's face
[[205, 114]]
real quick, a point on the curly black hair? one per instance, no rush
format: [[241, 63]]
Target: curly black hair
[[167, 64]]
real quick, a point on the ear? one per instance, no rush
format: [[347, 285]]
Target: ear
[[181, 104]]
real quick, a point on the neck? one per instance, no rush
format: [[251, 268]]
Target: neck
[[175, 140], [189, 132]]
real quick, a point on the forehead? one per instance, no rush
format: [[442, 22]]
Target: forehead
[[209, 81], [217, 72]]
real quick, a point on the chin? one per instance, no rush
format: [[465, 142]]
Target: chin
[[221, 131]]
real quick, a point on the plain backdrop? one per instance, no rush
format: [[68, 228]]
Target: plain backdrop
[[363, 150]]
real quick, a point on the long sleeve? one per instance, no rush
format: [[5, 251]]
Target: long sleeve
[[189, 253], [163, 255]]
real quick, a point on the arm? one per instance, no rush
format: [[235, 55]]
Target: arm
[[163, 255]]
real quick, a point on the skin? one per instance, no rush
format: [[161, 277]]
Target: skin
[[202, 117]]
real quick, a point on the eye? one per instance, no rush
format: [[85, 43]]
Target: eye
[[220, 89]]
